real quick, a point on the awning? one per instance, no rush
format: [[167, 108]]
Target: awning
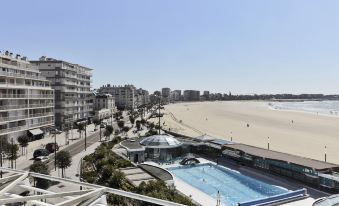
[[35, 132]]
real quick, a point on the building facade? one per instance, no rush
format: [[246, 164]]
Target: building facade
[[166, 94], [104, 106], [125, 96], [26, 98], [72, 85], [191, 95]]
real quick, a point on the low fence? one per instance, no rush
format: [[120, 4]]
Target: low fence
[[278, 199]]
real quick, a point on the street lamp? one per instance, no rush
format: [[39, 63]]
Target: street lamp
[[55, 143], [85, 135], [325, 154]]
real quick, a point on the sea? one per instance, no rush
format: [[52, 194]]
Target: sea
[[330, 108]]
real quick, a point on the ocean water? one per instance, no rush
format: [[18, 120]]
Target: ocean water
[[317, 107], [233, 186]]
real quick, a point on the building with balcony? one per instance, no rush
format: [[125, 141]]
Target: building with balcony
[[125, 96], [26, 98], [72, 85], [165, 94], [104, 106], [191, 95]]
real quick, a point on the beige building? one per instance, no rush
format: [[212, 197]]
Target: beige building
[[104, 106], [26, 98], [125, 96], [72, 84]]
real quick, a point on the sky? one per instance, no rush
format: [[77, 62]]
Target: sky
[[242, 46]]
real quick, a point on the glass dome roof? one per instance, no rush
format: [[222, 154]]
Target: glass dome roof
[[163, 141]]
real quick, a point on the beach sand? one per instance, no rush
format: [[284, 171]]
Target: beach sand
[[307, 136]]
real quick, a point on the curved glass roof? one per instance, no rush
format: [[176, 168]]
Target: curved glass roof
[[163, 141]]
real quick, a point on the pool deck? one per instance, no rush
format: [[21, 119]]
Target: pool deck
[[204, 199]]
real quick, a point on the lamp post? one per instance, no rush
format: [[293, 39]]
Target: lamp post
[[100, 129], [159, 113], [85, 135], [55, 143], [325, 154], [0, 156]]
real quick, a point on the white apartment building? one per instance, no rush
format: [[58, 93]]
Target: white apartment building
[[104, 106], [72, 85], [26, 98], [125, 96]]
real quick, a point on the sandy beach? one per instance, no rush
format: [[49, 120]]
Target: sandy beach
[[306, 136]]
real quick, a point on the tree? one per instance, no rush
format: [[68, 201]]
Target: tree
[[81, 127], [96, 122], [121, 124], [143, 121], [131, 119], [108, 131], [63, 160], [23, 142], [42, 168], [138, 124], [125, 129], [12, 153]]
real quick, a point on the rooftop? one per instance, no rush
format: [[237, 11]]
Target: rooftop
[[162, 141], [274, 155]]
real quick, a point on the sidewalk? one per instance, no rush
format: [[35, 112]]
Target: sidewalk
[[74, 170], [27, 159]]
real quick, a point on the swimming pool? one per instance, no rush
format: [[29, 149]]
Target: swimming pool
[[233, 186]]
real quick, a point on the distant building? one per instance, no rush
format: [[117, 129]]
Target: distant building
[[125, 96], [104, 106], [26, 99], [72, 85], [166, 93], [175, 96], [191, 95], [143, 97], [206, 95]]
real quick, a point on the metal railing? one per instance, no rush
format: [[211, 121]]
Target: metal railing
[[26, 76]]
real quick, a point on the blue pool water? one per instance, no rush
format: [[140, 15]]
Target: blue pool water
[[233, 186]]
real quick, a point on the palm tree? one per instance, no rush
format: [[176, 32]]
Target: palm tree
[[108, 131], [96, 122], [63, 161], [23, 142], [81, 127]]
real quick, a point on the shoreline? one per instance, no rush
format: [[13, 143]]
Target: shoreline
[[306, 137]]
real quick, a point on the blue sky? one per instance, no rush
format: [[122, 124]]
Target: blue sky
[[253, 46]]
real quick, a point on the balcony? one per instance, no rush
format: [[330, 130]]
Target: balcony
[[8, 107], [14, 96], [43, 114], [20, 75], [7, 119], [41, 96]]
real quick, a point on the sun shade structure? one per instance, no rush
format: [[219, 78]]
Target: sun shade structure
[[160, 141]]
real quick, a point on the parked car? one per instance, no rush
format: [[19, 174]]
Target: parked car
[[44, 159], [40, 152], [55, 131], [51, 147]]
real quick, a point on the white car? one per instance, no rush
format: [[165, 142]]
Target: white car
[[44, 159]]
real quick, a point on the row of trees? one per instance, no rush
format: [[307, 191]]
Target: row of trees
[[63, 161]]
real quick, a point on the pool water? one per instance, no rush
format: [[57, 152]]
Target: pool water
[[233, 186]]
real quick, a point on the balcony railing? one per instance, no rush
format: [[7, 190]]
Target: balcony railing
[[26, 76], [41, 114], [6, 119], [26, 96], [25, 106]]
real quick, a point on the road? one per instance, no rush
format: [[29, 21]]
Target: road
[[75, 148]]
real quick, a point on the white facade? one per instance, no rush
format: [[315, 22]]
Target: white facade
[[26, 97], [126, 97], [104, 106], [72, 84]]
